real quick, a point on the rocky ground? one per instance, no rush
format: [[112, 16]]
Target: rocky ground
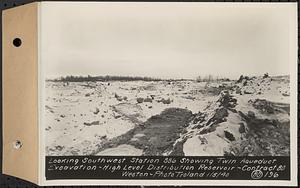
[[248, 116]]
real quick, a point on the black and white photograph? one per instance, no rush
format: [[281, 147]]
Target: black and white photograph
[[179, 80], [150, 93]]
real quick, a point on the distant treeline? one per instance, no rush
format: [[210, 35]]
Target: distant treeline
[[211, 78], [108, 78]]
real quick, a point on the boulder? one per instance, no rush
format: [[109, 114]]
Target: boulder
[[251, 114], [229, 135], [96, 111], [148, 99], [91, 123], [221, 113], [242, 128], [119, 98], [266, 75], [226, 100], [249, 90], [286, 94], [240, 79], [238, 91], [117, 116], [165, 101], [140, 100]]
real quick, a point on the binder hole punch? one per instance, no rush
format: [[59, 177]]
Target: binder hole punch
[[17, 42], [17, 144]]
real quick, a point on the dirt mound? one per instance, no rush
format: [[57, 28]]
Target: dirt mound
[[226, 100], [265, 137], [216, 112], [215, 89], [268, 107], [212, 131], [211, 91], [263, 85], [149, 87], [157, 135], [222, 130], [132, 112]]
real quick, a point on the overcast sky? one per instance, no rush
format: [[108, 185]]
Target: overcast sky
[[167, 40]]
